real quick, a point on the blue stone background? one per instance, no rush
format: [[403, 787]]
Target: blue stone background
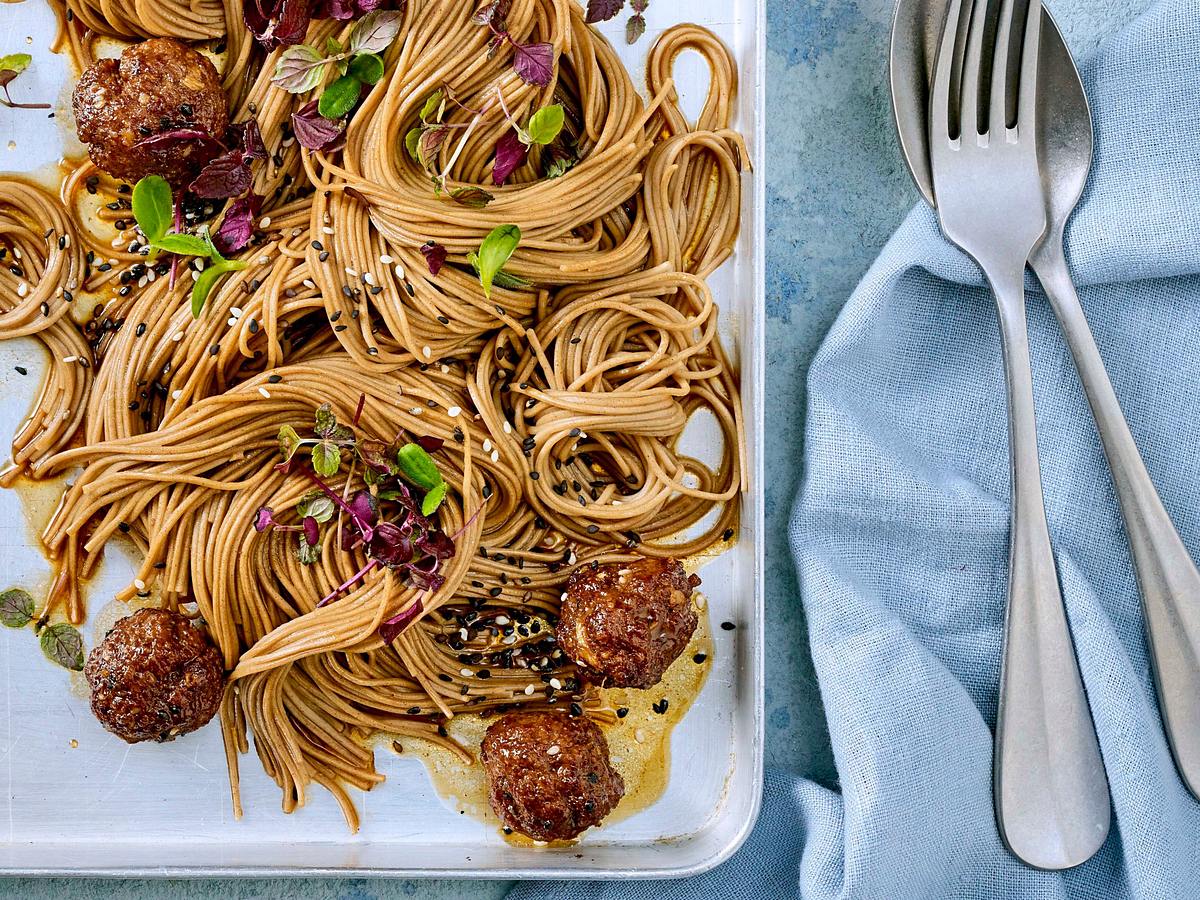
[[836, 189]]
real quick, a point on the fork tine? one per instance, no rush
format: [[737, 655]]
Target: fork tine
[[971, 66], [998, 113], [1030, 58], [943, 74]]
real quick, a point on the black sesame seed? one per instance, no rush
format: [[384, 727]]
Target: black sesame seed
[[622, 712], [274, 379], [414, 710], [661, 706], [21, 370], [140, 330], [727, 626], [592, 529], [727, 535], [699, 658]]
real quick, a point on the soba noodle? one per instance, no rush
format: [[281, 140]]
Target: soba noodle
[[561, 404]]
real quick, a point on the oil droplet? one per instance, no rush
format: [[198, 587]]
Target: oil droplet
[[12, 145], [74, 743]]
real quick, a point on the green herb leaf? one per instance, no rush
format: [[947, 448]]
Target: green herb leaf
[[299, 69], [316, 505], [326, 458], [367, 67], [433, 500], [339, 98], [432, 107], [289, 442], [63, 644], [412, 142], [15, 62], [417, 467], [184, 244], [333, 47], [153, 207], [16, 608], [208, 278], [375, 31], [325, 421], [545, 124], [473, 197], [307, 553], [494, 252]]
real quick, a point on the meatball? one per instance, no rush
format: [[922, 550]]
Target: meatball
[[156, 86], [549, 774], [155, 676], [625, 623]]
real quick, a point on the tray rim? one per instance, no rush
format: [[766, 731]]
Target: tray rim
[[680, 864]]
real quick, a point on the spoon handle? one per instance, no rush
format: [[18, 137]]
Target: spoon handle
[[1166, 574], [1051, 794]]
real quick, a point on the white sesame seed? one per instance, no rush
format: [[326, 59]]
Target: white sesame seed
[[454, 411], [572, 558], [464, 634], [487, 445], [326, 229], [198, 264], [501, 620], [639, 736], [141, 282], [563, 596], [309, 283], [553, 750], [264, 222], [265, 392], [231, 322], [426, 352], [416, 410], [556, 684], [175, 395], [445, 369], [400, 271], [465, 673], [325, 218], [264, 260], [528, 689], [236, 312], [139, 584], [700, 599], [351, 271], [507, 427], [116, 242], [17, 253], [511, 639], [368, 278], [70, 359], [151, 274], [22, 289], [386, 260], [177, 336], [195, 275], [495, 456]]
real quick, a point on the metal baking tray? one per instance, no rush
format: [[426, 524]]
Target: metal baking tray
[[78, 801]]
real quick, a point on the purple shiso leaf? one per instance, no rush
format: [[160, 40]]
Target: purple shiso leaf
[[435, 256], [430, 444], [437, 544], [534, 62], [312, 530], [276, 23], [225, 176], [511, 153], [392, 628], [238, 225], [313, 130], [264, 518], [603, 10], [365, 510], [252, 142]]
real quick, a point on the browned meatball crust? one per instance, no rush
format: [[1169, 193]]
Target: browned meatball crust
[[154, 677], [156, 86], [625, 623], [549, 774]]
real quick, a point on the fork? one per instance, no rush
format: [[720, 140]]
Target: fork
[[1050, 791]]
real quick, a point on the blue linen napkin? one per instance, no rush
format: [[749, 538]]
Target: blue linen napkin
[[901, 532]]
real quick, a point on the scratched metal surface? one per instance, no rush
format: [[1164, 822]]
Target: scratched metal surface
[[78, 798]]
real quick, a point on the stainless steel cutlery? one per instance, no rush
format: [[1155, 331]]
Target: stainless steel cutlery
[[1004, 158]]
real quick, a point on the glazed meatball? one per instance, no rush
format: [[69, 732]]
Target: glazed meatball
[[154, 677], [625, 623], [549, 774], [156, 86]]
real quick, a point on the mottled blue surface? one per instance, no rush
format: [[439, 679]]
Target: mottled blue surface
[[836, 189]]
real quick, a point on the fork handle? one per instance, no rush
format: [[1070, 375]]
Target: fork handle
[[1051, 793], [1166, 573]]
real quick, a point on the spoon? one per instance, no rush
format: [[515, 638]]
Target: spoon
[[1166, 574]]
